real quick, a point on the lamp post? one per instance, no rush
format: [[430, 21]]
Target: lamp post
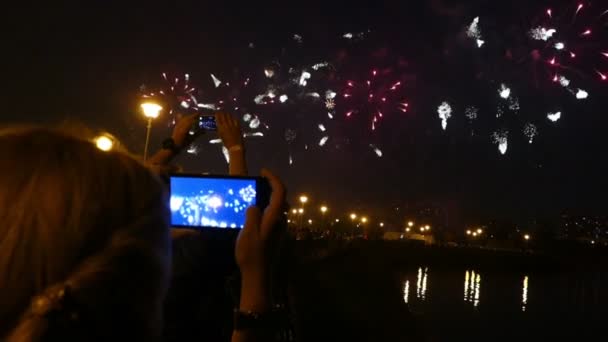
[[353, 217], [301, 213], [323, 211], [151, 111]]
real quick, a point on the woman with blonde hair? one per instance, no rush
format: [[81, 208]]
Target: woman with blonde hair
[[85, 246]]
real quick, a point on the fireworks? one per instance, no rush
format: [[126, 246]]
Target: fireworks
[[290, 135], [530, 131], [376, 150], [304, 77], [376, 96], [542, 33], [554, 117], [502, 139], [471, 113], [176, 94], [570, 44], [445, 112], [473, 31], [504, 92], [581, 94], [216, 81]]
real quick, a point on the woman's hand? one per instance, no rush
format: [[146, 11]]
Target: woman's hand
[[229, 130], [258, 240], [181, 132]]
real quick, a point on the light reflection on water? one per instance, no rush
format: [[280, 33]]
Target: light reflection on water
[[421, 285], [472, 287], [524, 294]]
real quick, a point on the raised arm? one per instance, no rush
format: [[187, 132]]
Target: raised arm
[[256, 245], [230, 132], [180, 137]]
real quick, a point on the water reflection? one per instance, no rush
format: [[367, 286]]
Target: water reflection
[[472, 287], [524, 294], [406, 291], [421, 283]]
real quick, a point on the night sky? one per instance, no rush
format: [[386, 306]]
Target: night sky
[[86, 62]]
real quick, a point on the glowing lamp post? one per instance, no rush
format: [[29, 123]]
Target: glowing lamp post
[[353, 217], [151, 111], [323, 211], [104, 143]]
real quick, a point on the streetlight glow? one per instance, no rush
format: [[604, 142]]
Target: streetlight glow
[[410, 224], [474, 233], [303, 199], [301, 211], [323, 209], [309, 221], [407, 230], [353, 216], [363, 219], [104, 143], [427, 227], [294, 211], [381, 224], [479, 230], [468, 232], [527, 237], [151, 110]]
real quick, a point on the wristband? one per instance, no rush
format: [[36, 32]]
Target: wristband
[[169, 144]]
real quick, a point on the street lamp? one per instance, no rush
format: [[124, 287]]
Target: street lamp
[[468, 232], [353, 216], [407, 230], [364, 219], [479, 230], [309, 221], [427, 227], [474, 233], [421, 229], [151, 111], [410, 224], [381, 224], [104, 143], [303, 199], [294, 211], [323, 209], [527, 237]]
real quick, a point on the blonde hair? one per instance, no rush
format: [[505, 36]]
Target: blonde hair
[[77, 218]]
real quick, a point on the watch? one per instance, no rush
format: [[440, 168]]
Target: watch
[[169, 144]]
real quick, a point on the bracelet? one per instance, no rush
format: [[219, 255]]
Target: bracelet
[[235, 148]]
